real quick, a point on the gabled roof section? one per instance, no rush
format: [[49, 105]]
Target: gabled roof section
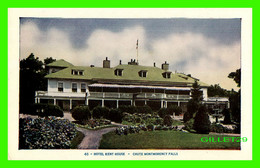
[[60, 63], [130, 74]]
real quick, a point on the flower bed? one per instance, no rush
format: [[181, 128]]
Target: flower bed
[[48, 133], [96, 124], [125, 130]]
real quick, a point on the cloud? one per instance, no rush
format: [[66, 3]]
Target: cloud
[[192, 53]]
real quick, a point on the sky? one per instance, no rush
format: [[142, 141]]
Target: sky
[[208, 49]]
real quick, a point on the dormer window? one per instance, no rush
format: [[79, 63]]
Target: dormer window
[[119, 72], [143, 73], [166, 74], [77, 72]]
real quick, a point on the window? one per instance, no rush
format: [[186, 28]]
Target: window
[[83, 87], [77, 72], [60, 86], [74, 87], [119, 72], [143, 73], [166, 74]]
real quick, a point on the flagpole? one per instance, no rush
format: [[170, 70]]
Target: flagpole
[[137, 50]]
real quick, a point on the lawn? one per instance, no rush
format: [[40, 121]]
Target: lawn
[[164, 140]]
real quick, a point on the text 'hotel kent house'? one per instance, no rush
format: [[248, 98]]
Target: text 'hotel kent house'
[[124, 84]]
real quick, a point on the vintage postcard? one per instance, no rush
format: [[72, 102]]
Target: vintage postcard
[[130, 84]]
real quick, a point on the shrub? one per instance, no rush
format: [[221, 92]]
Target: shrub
[[167, 120], [220, 128], [53, 110], [174, 109], [189, 125], [227, 116], [128, 109], [158, 127], [192, 108], [115, 115], [40, 133], [81, 113], [162, 112], [44, 110], [100, 112], [144, 109], [201, 121], [165, 128], [150, 127]]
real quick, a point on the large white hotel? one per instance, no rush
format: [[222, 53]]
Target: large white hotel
[[124, 84]]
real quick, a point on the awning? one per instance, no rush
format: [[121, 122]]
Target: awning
[[137, 86]]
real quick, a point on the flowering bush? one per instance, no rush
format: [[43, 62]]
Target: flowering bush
[[127, 129], [48, 133]]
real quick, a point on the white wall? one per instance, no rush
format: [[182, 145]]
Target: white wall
[[205, 93], [67, 85]]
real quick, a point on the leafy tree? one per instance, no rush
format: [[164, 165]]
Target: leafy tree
[[49, 60], [236, 76], [216, 90], [32, 74], [201, 121], [30, 80], [235, 97]]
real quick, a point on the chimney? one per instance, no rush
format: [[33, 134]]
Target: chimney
[[154, 64], [133, 62], [165, 66], [106, 63], [120, 62]]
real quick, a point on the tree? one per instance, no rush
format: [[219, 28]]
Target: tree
[[49, 60], [227, 117], [236, 76], [235, 97], [194, 103], [32, 74], [30, 80], [216, 90], [201, 121]]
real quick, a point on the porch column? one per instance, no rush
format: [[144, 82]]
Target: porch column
[[86, 101], [70, 104], [117, 104], [35, 100], [178, 103], [165, 105], [54, 101], [103, 103], [131, 102], [161, 103], [38, 100], [145, 102]]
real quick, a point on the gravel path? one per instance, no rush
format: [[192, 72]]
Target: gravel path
[[92, 137]]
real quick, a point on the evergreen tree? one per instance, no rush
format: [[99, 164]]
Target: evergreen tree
[[201, 121], [227, 117], [194, 103]]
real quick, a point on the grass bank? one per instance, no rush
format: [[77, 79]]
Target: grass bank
[[165, 140]]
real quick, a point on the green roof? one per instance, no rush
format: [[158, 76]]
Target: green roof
[[130, 74], [60, 63]]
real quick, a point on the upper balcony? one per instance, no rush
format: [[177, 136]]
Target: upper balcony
[[112, 95], [59, 94]]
